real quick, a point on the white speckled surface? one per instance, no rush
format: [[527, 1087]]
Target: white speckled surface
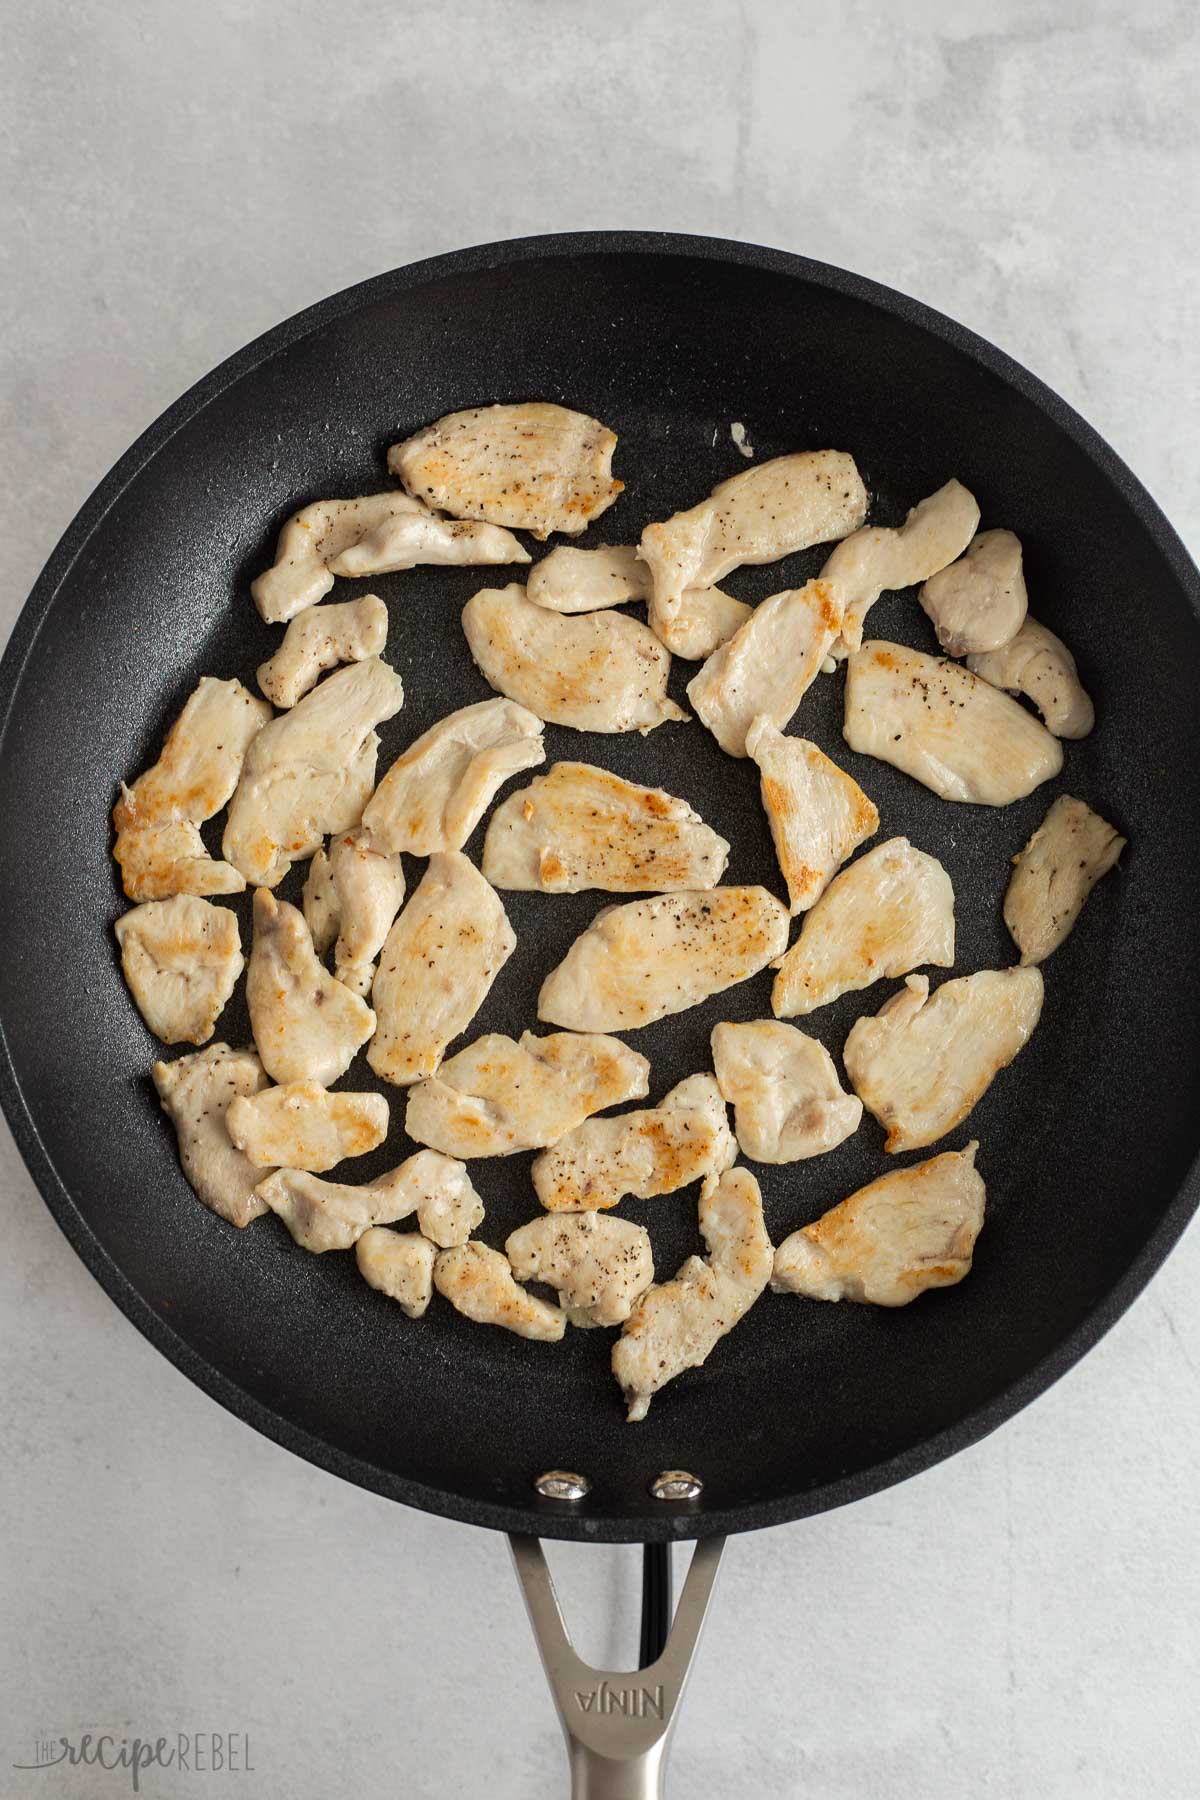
[[1022, 1620]]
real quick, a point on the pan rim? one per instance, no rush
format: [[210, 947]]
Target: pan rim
[[537, 1517]]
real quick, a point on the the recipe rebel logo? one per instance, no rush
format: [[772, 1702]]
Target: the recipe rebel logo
[[189, 1752]]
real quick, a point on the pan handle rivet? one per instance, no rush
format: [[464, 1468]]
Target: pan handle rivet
[[561, 1484], [676, 1484]]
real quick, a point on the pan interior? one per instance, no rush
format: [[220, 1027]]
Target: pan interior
[[1085, 1142]]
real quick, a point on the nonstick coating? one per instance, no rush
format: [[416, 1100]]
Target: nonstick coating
[[1086, 1143]]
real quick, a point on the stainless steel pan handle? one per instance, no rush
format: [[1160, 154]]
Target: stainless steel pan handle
[[618, 1723]]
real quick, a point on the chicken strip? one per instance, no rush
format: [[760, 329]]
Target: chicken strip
[[788, 1103], [580, 827], [376, 535], [599, 1265], [159, 849], [880, 558], [921, 1065], [1039, 665], [1054, 874], [762, 514], [320, 638], [440, 959], [434, 795], [181, 958], [596, 672], [195, 1092], [638, 962], [400, 1265], [306, 1025], [768, 666], [479, 1284], [677, 1326], [980, 601], [945, 727], [303, 1126], [644, 1154], [351, 898], [332, 1215], [818, 815], [310, 772], [571, 580], [497, 1097], [535, 467], [910, 1230], [889, 912]]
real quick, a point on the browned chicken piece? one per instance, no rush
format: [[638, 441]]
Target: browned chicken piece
[[534, 467], [378, 534], [320, 638], [303, 1126], [595, 671], [1039, 665], [921, 1065], [880, 558], [1054, 874], [677, 1326], [885, 914], [788, 1103], [579, 827], [765, 513], [332, 1215], [306, 1024], [817, 813], [978, 602], [479, 1283], [571, 580], [159, 849], [196, 1092], [398, 1264], [599, 1265], [181, 958], [436, 967], [911, 1230], [641, 961], [646, 1153], [351, 897], [435, 794], [767, 667]]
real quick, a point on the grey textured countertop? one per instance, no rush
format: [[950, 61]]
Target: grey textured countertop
[[1021, 1620]]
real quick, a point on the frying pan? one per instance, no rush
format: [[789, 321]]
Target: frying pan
[[1088, 1143]]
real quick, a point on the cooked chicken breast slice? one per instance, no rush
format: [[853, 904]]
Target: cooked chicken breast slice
[[436, 967], [351, 898], [910, 1230], [1039, 665], [400, 1265], [788, 1103], [303, 1126], [879, 558], [762, 514], [595, 672], [980, 601], [320, 638], [181, 958], [818, 815], [497, 1097], [598, 1265], [706, 619], [887, 913], [944, 726], [768, 666], [434, 795], [158, 849], [307, 1026], [332, 1215], [479, 1284], [195, 1092], [1054, 874], [921, 1065], [571, 580], [646, 1153], [579, 827], [638, 962], [535, 467], [375, 535], [310, 772], [677, 1326]]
